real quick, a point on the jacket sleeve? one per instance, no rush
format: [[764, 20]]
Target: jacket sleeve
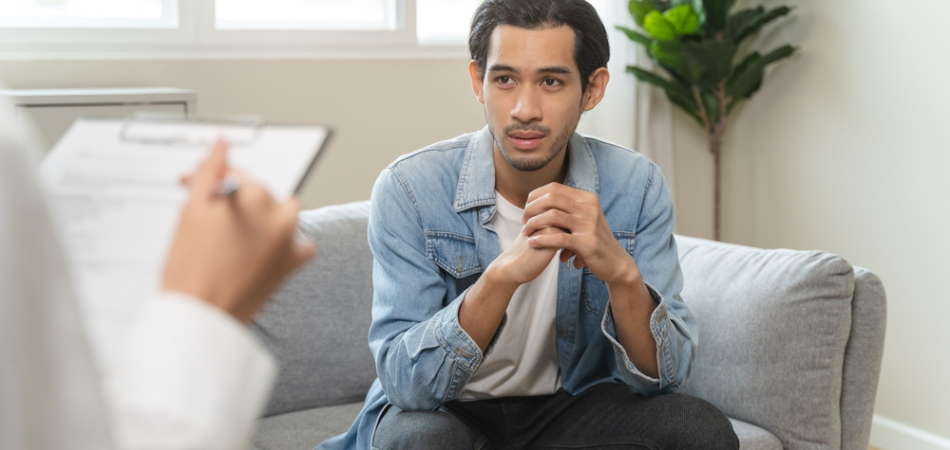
[[672, 323], [190, 377], [423, 357]]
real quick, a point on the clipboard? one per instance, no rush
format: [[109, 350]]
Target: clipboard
[[114, 189]]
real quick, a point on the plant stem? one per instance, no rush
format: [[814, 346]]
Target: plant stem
[[702, 109], [716, 135], [715, 147]]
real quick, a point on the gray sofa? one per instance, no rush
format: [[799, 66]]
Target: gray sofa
[[790, 342]]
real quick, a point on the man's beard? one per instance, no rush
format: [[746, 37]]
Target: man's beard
[[536, 163]]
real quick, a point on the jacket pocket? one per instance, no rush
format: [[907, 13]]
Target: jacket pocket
[[454, 253]]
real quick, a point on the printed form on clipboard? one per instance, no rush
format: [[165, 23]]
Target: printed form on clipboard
[[115, 193]]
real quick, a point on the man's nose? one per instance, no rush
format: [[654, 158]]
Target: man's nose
[[528, 107]]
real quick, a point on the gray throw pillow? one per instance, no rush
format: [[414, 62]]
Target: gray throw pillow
[[773, 325]]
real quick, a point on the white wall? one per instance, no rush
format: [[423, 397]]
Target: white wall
[[847, 149], [378, 109]]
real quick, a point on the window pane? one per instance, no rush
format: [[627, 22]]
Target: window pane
[[88, 13], [444, 20], [449, 20], [305, 14]]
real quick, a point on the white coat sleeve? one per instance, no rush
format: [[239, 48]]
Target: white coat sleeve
[[190, 377]]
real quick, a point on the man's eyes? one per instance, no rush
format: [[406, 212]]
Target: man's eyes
[[547, 82]]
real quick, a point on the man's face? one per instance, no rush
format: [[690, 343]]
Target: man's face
[[532, 93]]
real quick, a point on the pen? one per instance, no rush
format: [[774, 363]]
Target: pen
[[229, 185]]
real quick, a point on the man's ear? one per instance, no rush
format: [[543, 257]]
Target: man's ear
[[478, 83], [596, 87]]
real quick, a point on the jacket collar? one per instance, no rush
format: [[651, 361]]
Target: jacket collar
[[476, 186]]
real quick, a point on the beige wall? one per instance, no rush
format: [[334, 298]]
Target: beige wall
[[847, 149], [378, 109]]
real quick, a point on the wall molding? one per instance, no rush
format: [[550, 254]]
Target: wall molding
[[888, 434]]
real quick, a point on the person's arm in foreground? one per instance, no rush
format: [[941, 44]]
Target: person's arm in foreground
[[193, 377]]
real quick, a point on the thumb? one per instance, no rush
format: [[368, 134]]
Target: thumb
[[204, 182]]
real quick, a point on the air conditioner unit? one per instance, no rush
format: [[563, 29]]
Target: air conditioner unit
[[53, 111]]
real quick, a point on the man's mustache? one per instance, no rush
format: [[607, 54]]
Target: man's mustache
[[527, 127]]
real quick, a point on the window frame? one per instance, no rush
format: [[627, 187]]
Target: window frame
[[197, 37]]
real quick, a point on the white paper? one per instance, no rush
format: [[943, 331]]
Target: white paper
[[115, 192]]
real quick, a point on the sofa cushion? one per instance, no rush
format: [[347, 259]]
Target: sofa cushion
[[752, 437], [304, 430], [772, 327], [317, 323]]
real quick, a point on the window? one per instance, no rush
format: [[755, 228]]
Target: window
[[145, 28], [306, 14], [89, 14], [444, 20]]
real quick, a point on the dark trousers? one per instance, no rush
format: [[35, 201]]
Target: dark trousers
[[604, 417]]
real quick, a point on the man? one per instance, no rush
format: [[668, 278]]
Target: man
[[526, 278], [193, 377]]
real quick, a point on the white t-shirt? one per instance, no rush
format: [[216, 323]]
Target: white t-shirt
[[524, 361]]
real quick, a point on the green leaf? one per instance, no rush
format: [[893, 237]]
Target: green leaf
[[684, 20], [678, 94], [658, 27], [639, 9], [712, 106], [635, 36], [746, 22], [708, 62], [717, 13], [748, 76], [697, 8], [669, 55]]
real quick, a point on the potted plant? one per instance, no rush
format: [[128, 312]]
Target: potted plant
[[696, 43]]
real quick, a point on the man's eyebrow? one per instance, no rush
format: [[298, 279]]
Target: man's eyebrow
[[560, 70], [502, 68]]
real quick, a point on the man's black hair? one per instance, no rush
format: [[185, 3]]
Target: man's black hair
[[591, 49]]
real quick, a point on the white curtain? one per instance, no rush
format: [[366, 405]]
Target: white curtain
[[632, 114]]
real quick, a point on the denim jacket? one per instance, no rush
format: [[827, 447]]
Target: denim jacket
[[431, 236]]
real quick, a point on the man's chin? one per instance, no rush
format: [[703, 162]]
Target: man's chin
[[527, 163]]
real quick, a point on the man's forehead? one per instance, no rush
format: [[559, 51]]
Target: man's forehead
[[530, 49]]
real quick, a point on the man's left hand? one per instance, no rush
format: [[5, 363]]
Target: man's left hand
[[586, 235]]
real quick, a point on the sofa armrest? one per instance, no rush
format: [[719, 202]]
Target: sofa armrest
[[773, 327], [862, 360]]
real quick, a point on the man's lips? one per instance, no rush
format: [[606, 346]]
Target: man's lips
[[526, 140]]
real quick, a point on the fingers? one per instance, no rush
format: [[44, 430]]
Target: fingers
[[546, 202], [204, 182], [551, 218], [556, 240], [302, 249]]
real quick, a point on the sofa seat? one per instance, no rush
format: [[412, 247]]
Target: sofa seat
[[299, 430], [305, 429]]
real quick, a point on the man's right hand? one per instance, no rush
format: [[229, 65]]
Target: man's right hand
[[485, 304], [520, 263]]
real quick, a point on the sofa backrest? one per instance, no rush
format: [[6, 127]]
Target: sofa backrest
[[317, 323], [773, 329]]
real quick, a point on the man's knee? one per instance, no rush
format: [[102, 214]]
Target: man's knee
[[421, 430], [706, 427]]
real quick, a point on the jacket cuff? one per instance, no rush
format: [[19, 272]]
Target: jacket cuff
[[659, 326], [457, 343]]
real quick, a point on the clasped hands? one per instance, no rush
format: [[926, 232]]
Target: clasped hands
[[559, 217]]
